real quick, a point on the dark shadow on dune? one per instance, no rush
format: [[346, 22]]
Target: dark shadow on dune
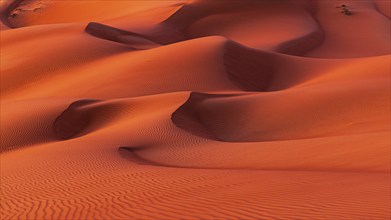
[[88, 115], [73, 120], [106, 32], [134, 40], [6, 11], [186, 116], [247, 68], [130, 154], [254, 70]]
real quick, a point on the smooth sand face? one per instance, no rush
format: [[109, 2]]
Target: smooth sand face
[[195, 110]]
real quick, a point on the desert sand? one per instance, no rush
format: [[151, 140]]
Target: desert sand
[[267, 109]]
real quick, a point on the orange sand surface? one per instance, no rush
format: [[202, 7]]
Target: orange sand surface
[[252, 109]]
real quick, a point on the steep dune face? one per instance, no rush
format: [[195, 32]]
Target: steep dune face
[[326, 101], [233, 119], [195, 109], [74, 119], [118, 35]]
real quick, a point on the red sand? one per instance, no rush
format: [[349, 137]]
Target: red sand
[[195, 109]]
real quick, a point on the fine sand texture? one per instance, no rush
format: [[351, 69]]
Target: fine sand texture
[[164, 110]]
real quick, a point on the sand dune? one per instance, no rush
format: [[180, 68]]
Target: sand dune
[[339, 30], [383, 7], [195, 109]]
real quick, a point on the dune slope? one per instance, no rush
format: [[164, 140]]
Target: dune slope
[[195, 109]]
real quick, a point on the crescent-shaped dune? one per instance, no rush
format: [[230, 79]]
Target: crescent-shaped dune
[[195, 109]]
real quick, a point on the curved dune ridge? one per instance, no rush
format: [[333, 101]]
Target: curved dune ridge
[[195, 109]]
